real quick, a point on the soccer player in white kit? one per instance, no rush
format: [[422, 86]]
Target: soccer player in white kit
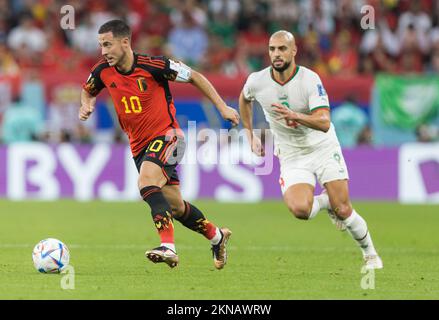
[[296, 107]]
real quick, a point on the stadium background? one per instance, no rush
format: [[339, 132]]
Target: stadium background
[[382, 84], [383, 88]]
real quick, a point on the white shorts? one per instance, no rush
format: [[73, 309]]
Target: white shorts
[[326, 163]]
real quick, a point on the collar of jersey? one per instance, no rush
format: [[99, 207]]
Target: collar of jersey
[[288, 80], [132, 68]]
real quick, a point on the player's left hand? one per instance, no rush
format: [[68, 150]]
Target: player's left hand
[[85, 112], [287, 114], [230, 114]]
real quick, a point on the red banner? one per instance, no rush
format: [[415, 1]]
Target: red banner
[[338, 88]]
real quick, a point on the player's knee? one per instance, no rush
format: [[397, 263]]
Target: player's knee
[[147, 179], [300, 210], [178, 209], [343, 210]]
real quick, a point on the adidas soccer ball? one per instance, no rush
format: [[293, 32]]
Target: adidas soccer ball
[[50, 256]]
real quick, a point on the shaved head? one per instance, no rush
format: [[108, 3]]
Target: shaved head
[[286, 35], [282, 50]]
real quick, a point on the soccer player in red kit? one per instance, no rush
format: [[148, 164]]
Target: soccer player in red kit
[[138, 85]]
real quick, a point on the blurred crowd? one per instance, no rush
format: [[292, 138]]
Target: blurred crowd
[[222, 36], [228, 36]]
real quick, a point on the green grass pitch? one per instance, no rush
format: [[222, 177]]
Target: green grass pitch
[[271, 254]]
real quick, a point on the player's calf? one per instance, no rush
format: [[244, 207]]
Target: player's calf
[[192, 218], [161, 214]]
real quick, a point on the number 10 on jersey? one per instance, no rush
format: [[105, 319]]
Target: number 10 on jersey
[[134, 105]]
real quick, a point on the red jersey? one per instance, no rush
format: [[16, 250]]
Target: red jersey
[[141, 97]]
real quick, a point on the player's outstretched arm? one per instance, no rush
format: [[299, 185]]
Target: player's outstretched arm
[[204, 85], [319, 119], [246, 111], [88, 103]]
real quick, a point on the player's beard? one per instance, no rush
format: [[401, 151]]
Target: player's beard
[[285, 66]]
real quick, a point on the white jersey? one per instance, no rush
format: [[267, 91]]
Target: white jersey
[[303, 92]]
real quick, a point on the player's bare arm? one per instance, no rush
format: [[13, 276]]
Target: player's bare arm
[[320, 119], [246, 111], [204, 85], [88, 103]]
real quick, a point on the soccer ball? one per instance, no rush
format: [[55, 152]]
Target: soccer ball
[[50, 256]]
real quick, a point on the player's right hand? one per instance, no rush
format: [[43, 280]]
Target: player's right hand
[[85, 112], [230, 114], [257, 146]]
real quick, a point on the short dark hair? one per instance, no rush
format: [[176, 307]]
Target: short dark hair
[[118, 27]]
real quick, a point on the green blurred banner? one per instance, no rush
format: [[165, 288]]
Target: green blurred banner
[[405, 102]]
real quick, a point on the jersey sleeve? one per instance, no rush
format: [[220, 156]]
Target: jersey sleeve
[[182, 72], [94, 83], [164, 69], [248, 91], [317, 96]]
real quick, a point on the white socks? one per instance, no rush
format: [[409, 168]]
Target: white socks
[[357, 228], [355, 224], [169, 246], [217, 237], [320, 202], [215, 240]]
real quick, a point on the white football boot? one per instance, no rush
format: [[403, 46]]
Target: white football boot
[[373, 262]]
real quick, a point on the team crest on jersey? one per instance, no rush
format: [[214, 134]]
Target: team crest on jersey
[[322, 91], [141, 83]]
